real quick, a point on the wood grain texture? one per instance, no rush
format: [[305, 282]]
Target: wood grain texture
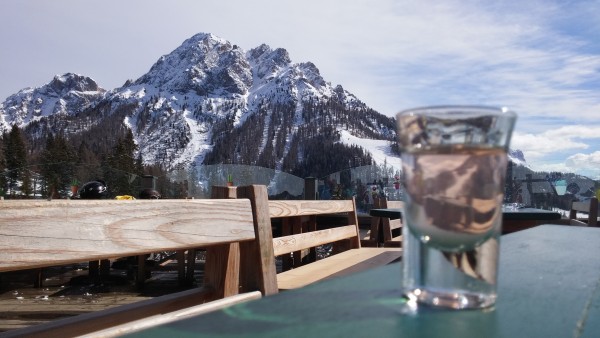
[[44, 233], [291, 243], [306, 208]]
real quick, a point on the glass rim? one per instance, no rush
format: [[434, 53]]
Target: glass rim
[[465, 110]]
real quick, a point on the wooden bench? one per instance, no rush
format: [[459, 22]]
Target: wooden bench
[[348, 255], [590, 207], [383, 229], [239, 257]]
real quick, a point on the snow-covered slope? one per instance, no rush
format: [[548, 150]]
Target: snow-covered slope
[[380, 150]]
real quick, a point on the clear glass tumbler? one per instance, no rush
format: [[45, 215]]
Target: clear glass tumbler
[[454, 162]]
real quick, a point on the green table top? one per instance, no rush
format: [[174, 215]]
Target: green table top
[[518, 214], [549, 286]]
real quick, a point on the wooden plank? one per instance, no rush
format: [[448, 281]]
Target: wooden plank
[[306, 208], [344, 263], [221, 271], [258, 259], [291, 243], [223, 192], [353, 220], [99, 320], [45, 233], [395, 242], [170, 317]]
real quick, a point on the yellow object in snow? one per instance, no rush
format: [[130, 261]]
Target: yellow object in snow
[[125, 197]]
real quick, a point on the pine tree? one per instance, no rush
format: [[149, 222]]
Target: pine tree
[[123, 169], [3, 181], [88, 165], [15, 154], [58, 162]]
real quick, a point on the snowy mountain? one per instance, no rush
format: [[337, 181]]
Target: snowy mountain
[[208, 102], [65, 95]]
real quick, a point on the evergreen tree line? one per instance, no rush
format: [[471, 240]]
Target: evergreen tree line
[[51, 171]]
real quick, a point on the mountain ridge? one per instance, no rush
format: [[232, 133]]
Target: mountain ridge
[[209, 101]]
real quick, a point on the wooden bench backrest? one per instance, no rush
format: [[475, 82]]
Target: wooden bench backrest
[[37, 233], [590, 207], [45, 233], [291, 243]]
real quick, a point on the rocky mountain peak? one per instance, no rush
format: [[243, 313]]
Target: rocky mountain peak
[[268, 61], [66, 94], [69, 82], [204, 64]]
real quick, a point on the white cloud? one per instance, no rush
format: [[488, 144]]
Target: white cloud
[[572, 137], [584, 161]]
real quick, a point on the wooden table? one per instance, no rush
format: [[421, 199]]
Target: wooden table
[[525, 218], [549, 286], [512, 220]]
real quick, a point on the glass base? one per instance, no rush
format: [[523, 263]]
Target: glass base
[[453, 300]]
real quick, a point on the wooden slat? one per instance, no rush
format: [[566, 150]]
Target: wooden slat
[[344, 263], [44, 233], [99, 320], [170, 317], [348, 256], [306, 208], [291, 243], [395, 242]]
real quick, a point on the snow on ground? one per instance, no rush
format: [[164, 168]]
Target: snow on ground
[[198, 145], [379, 149]]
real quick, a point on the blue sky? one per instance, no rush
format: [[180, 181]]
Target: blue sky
[[539, 58]]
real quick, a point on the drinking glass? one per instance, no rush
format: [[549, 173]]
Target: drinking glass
[[454, 162]]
